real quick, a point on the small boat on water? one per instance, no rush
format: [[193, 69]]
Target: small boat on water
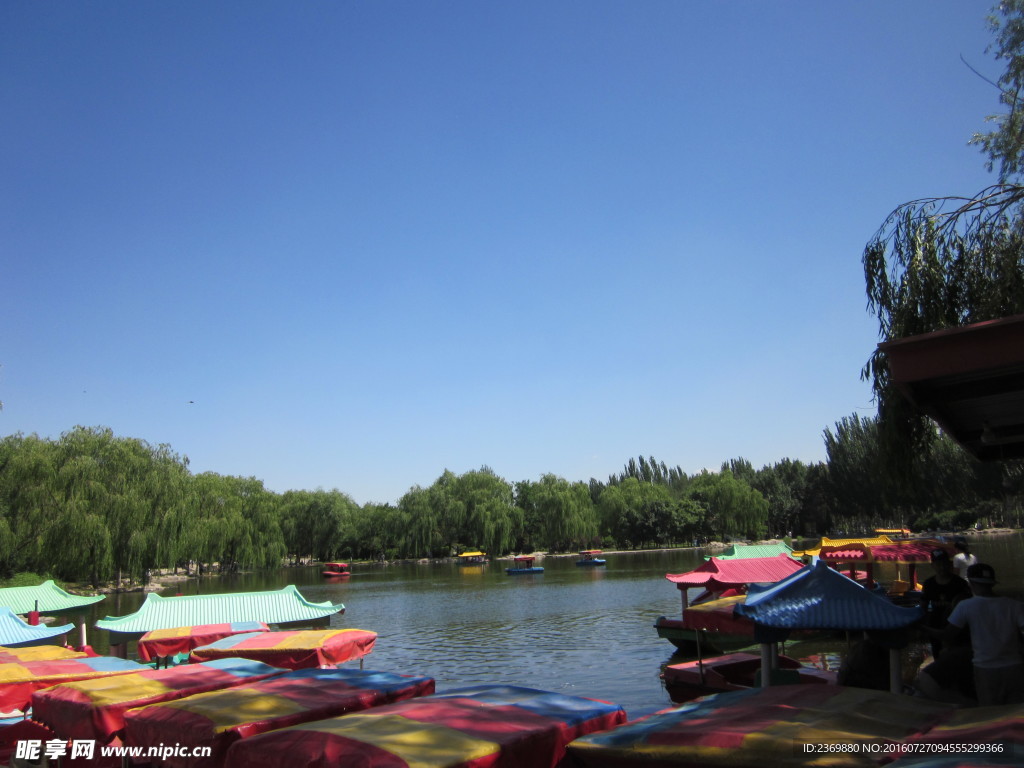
[[335, 570], [590, 557], [736, 672], [473, 558], [523, 564]]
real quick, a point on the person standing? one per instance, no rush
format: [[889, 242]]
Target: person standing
[[996, 624], [939, 593], [963, 559]]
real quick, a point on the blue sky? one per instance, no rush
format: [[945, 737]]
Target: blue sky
[[353, 244]]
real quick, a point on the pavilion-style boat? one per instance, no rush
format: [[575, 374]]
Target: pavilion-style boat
[[711, 613], [523, 564], [335, 571], [590, 557], [473, 558], [285, 606]]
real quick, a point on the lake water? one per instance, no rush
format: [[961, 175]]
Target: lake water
[[574, 630]]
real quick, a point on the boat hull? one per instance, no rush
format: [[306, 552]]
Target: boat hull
[[710, 642], [595, 561], [735, 672], [520, 571]]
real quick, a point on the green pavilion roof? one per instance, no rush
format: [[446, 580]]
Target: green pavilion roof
[[52, 599], [742, 551], [280, 606]]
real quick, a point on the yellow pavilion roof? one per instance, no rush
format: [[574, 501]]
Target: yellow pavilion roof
[[827, 542]]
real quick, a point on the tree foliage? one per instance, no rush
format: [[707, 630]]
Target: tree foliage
[[93, 506]]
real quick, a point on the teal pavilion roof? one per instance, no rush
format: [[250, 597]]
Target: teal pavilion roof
[[281, 606], [51, 599], [743, 551]]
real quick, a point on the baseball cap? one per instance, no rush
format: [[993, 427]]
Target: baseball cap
[[981, 573], [939, 554]]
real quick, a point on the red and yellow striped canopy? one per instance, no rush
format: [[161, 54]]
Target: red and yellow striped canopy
[[94, 709], [19, 680], [220, 718], [168, 642], [295, 649], [480, 727]]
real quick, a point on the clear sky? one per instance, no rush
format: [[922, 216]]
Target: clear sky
[[353, 244]]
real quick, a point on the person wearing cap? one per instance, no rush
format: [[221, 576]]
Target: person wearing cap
[[996, 624], [963, 559]]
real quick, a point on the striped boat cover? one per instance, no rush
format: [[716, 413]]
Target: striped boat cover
[[38, 653], [19, 680], [295, 649], [957, 761], [767, 727], [220, 718], [94, 709], [478, 727], [168, 642], [1000, 730]]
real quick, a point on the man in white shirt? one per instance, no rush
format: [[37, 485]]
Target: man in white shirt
[[963, 559], [996, 624]]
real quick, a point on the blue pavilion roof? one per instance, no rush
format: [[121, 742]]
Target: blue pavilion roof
[[818, 597], [15, 632]]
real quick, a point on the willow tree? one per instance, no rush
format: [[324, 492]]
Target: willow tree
[[940, 262], [567, 514], [491, 519], [733, 507]]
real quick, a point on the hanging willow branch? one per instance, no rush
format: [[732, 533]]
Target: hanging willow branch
[[939, 263]]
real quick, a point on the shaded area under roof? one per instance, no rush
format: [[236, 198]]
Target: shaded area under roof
[[15, 633], [51, 598], [970, 380], [817, 597], [281, 606], [752, 570]]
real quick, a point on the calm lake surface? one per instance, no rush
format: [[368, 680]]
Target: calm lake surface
[[574, 630]]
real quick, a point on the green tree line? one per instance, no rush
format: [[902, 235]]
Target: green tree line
[[92, 506]]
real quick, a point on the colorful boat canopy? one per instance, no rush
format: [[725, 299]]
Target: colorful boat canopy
[[38, 653], [295, 649], [818, 597], [743, 551], [94, 709], [765, 727], [479, 727], [48, 596], [715, 573], [15, 632], [997, 726], [19, 681], [840, 543], [910, 551], [274, 607], [168, 642], [219, 719], [473, 554]]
